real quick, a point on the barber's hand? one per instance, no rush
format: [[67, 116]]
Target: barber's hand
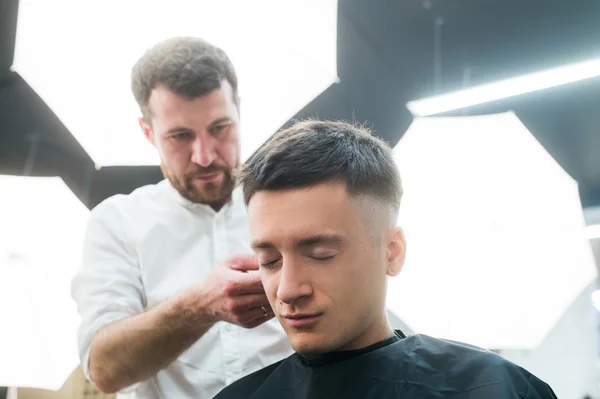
[[235, 294]]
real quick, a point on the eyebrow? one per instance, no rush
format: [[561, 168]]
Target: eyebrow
[[221, 120], [181, 129], [328, 239]]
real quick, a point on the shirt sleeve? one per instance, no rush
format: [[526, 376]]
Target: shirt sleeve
[[108, 286]]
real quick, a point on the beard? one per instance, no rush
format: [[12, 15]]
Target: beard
[[214, 194]]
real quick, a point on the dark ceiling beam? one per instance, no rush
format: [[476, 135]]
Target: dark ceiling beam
[[23, 115], [8, 33], [368, 88]]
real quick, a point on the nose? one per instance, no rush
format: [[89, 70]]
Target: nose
[[293, 282], [204, 150]]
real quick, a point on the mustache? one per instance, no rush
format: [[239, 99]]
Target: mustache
[[207, 170]]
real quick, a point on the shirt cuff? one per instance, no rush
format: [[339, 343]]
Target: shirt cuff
[[86, 337]]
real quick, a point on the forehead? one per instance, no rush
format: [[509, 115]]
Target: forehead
[[302, 212], [168, 107]]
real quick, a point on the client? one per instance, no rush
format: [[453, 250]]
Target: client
[[323, 201]]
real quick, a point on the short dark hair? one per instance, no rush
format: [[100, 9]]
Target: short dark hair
[[188, 66], [312, 152]]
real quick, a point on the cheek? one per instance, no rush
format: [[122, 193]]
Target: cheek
[[175, 156], [229, 150], [270, 284], [354, 278], [229, 154]]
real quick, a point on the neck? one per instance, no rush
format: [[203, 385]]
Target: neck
[[377, 332], [217, 206]]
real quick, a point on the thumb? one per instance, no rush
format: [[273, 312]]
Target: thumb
[[243, 262]]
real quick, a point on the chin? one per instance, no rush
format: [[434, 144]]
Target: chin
[[304, 343], [208, 194], [208, 187]]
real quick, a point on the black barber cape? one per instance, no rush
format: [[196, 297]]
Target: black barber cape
[[417, 367]]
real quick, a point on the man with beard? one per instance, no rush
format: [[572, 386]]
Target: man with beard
[[170, 300]]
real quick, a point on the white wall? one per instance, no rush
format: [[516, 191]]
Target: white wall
[[568, 359]]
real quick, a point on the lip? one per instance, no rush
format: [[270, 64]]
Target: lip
[[208, 177], [301, 320]]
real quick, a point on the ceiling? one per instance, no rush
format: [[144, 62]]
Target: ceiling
[[385, 59]]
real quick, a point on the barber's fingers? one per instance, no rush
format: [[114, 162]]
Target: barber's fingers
[[244, 263], [257, 322], [239, 283], [240, 305], [256, 317]]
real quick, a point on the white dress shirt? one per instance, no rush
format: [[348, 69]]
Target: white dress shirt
[[141, 249]]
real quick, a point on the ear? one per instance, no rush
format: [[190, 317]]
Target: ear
[[396, 252], [147, 130]]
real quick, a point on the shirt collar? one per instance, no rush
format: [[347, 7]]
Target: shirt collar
[[324, 359]]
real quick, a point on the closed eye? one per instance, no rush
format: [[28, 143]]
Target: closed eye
[[270, 264], [323, 257]]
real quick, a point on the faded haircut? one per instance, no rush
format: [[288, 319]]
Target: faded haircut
[[313, 152]]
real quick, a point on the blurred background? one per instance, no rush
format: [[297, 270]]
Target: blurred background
[[492, 108]]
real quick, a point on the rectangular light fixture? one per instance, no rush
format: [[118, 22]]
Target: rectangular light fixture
[[505, 88], [596, 299], [592, 232], [296, 66]]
